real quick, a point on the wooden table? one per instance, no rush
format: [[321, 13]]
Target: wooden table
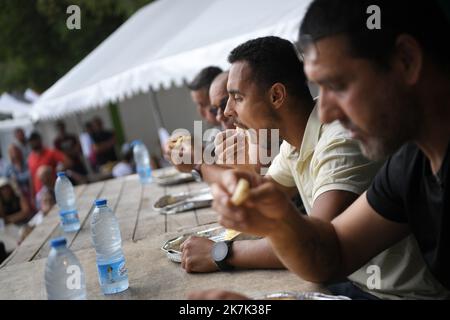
[[144, 231]]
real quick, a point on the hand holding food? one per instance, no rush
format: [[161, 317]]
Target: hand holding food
[[176, 142], [180, 153], [231, 148], [241, 193], [257, 210]]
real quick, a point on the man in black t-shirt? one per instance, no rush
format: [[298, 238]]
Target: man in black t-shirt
[[386, 77], [104, 143], [407, 191], [69, 145]]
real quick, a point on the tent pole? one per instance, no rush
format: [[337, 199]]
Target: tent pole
[[155, 109]]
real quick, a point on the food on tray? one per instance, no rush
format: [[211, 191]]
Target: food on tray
[[231, 234], [288, 295], [172, 247], [165, 173], [171, 176]]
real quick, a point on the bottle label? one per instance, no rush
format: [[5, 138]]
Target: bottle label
[[69, 217], [144, 171], [112, 272], [145, 174]]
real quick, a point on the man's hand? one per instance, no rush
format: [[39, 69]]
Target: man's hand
[[215, 294], [235, 148], [180, 154], [231, 148], [196, 255], [261, 214]]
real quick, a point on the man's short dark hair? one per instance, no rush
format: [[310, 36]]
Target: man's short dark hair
[[271, 60], [204, 78], [423, 20], [34, 136]]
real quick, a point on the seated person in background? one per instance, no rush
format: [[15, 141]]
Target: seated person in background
[[45, 176], [125, 167], [104, 146], [320, 161], [210, 172], [21, 141], [218, 96], [43, 156], [14, 207], [199, 88], [69, 145], [17, 170], [47, 201]]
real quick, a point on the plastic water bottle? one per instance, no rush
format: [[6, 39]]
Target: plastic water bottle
[[142, 160], [112, 273], [65, 198], [64, 275]]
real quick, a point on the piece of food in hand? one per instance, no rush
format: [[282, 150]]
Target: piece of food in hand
[[176, 143], [241, 192]]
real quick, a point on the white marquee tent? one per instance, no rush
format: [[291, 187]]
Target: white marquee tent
[[12, 106], [164, 44]]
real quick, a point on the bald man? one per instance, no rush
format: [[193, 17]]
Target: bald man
[[218, 96]]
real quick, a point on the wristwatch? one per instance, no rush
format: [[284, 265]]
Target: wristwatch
[[197, 172], [220, 252]]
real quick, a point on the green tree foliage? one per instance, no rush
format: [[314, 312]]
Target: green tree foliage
[[37, 48]]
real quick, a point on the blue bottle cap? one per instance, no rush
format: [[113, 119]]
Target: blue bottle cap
[[57, 242], [61, 174], [136, 142], [100, 202]]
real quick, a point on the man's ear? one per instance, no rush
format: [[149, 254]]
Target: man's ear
[[409, 58], [277, 95]]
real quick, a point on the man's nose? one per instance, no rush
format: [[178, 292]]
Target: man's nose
[[229, 109], [329, 108]]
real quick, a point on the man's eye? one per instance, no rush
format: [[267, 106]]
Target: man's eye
[[237, 98], [213, 110], [336, 86]]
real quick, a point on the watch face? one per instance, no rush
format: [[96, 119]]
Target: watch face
[[219, 251]]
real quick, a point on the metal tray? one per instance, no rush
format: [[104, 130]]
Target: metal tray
[[184, 201], [171, 176], [172, 246], [291, 295]]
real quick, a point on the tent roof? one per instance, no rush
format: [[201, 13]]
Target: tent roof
[[13, 106], [165, 43], [10, 124]]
